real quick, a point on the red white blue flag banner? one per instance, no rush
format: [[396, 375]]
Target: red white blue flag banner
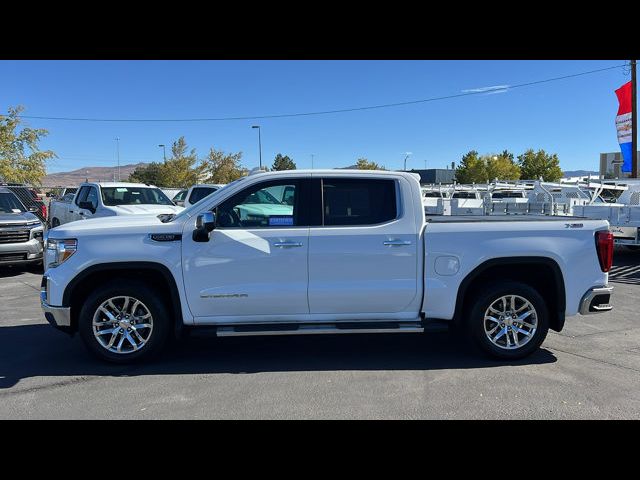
[[623, 124]]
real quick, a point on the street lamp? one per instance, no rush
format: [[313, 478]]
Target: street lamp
[[164, 152], [405, 160], [118, 149], [259, 143]]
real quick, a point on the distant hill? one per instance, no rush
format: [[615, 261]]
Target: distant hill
[[580, 173], [94, 174]]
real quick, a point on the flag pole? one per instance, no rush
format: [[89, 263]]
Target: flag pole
[[634, 123]]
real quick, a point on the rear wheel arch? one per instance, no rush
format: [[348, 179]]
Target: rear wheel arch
[[156, 275], [541, 273]]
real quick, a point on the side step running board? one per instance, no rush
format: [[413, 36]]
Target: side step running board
[[334, 328]]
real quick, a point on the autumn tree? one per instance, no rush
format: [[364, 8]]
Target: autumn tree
[[181, 169], [221, 167], [502, 167], [21, 160], [535, 165], [364, 164], [283, 163]]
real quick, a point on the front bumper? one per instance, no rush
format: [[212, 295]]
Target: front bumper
[[18, 253], [596, 300], [59, 317]]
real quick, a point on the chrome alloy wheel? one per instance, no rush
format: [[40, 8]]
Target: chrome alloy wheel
[[122, 324], [510, 322]]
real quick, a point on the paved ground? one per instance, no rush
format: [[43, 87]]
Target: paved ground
[[590, 370]]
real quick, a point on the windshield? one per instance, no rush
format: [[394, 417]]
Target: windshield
[[432, 195], [9, 203], [114, 196], [464, 195]]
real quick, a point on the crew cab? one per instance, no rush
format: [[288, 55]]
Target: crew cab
[[93, 200], [343, 252], [21, 232]]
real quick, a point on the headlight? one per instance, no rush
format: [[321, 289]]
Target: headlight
[[59, 250]]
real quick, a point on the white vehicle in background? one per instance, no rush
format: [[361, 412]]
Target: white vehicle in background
[[179, 197], [198, 192], [94, 200], [435, 201]]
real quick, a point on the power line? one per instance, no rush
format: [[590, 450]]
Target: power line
[[325, 112]]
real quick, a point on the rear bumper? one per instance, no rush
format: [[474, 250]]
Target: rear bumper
[[596, 300]]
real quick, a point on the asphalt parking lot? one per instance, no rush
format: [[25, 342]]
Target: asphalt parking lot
[[591, 370]]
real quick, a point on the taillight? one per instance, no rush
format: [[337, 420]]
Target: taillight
[[43, 210], [604, 247]]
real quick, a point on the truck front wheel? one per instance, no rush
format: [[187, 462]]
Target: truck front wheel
[[124, 321], [508, 320]]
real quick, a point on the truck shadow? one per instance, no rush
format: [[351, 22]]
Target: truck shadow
[[626, 267], [40, 351], [16, 270]]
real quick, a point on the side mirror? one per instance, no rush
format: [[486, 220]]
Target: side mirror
[[205, 223], [87, 206]]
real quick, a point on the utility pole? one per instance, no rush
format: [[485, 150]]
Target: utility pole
[[164, 153], [118, 150], [312, 155], [634, 123], [259, 143]]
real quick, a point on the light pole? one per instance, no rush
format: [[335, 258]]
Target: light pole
[[118, 150], [405, 160], [259, 143], [312, 155], [164, 153]]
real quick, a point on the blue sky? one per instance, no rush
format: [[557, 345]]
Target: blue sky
[[573, 118]]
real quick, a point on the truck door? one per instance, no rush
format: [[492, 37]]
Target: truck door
[[363, 258], [255, 262], [73, 212]]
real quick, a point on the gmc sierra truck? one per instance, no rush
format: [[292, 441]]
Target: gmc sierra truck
[[316, 252]]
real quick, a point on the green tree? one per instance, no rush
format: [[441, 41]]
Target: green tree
[[283, 163], [472, 169], [180, 170], [475, 168], [150, 173], [502, 167], [534, 165], [21, 161], [221, 167], [364, 164]]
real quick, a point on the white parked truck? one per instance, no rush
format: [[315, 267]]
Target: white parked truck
[[322, 251], [109, 199]]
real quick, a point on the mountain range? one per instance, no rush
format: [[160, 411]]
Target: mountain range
[[93, 174]]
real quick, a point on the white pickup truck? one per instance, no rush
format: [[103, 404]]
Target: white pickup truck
[[322, 251], [95, 199]]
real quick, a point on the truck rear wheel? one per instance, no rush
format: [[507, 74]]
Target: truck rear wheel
[[124, 321], [508, 320]]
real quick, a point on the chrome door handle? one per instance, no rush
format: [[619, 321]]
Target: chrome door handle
[[287, 244], [396, 243]]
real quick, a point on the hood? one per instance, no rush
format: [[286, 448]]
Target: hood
[[111, 225], [17, 218], [145, 209]]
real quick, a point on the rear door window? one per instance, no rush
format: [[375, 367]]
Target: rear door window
[[358, 201]]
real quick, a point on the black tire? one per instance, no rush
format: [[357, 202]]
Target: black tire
[[151, 300], [475, 321], [55, 223]]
